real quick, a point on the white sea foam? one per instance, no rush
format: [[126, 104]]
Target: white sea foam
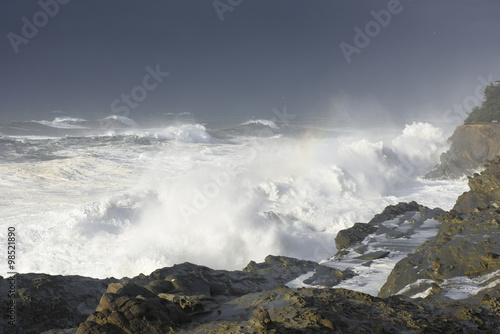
[[68, 119], [120, 206], [189, 133], [123, 119], [420, 146], [63, 123], [177, 114]]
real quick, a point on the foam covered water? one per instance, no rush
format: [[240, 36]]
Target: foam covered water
[[63, 123], [131, 200]]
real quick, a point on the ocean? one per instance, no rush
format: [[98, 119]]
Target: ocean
[[126, 198]]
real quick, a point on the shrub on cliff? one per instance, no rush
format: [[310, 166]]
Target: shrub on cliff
[[490, 108]]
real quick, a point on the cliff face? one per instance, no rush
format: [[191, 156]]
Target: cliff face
[[467, 245], [471, 145]]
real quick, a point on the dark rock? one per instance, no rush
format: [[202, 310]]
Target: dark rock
[[172, 295], [490, 261], [45, 302], [261, 320], [435, 288], [362, 249], [61, 302], [341, 253], [343, 311], [128, 308], [327, 276], [393, 211], [160, 286], [191, 304], [280, 266], [485, 190], [358, 232], [191, 279], [373, 255]]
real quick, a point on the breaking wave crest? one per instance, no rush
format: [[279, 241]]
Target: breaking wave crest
[[63, 123]]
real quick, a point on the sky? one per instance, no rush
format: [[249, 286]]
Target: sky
[[240, 59]]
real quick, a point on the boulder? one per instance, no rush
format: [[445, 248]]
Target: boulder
[[328, 276], [129, 308], [348, 237]]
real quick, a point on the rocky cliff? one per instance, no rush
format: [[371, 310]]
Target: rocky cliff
[[188, 298], [466, 250], [471, 145]]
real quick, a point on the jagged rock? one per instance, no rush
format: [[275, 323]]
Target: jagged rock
[[435, 288], [467, 243], [191, 304], [373, 255], [171, 295], [129, 308], [191, 279], [358, 232], [280, 267], [471, 145], [261, 320], [53, 302], [160, 286], [62, 302], [284, 310], [327, 276], [392, 211], [485, 190]]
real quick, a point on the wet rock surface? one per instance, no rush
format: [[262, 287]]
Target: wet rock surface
[[382, 242], [328, 277], [358, 232], [466, 248], [129, 308], [285, 310], [46, 302], [402, 211], [61, 302]]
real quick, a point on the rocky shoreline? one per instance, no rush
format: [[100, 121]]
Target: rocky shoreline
[[471, 145], [424, 292]]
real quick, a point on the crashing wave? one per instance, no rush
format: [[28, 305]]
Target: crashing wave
[[63, 123], [263, 122], [68, 119], [189, 133], [122, 119]]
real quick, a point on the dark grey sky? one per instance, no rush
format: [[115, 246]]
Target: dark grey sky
[[264, 54]]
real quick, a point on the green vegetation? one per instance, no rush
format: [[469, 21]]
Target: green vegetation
[[490, 108]]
